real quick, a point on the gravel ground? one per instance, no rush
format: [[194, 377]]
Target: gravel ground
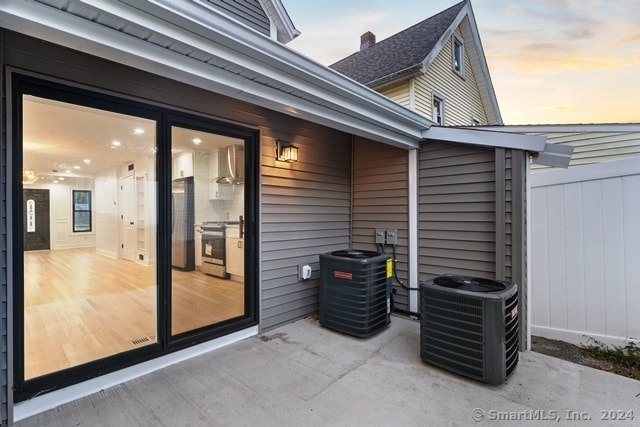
[[575, 354]]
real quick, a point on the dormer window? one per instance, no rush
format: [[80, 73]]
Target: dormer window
[[458, 55]]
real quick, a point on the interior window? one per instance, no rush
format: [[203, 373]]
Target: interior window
[[81, 210]]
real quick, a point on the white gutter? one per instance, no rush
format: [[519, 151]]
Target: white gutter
[[487, 138], [259, 70]]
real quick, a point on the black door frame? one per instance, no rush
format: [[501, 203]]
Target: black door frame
[[165, 117]]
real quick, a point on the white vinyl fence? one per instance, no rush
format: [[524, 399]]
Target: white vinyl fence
[[585, 252]]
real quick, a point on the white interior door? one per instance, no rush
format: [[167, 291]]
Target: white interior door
[[127, 218]]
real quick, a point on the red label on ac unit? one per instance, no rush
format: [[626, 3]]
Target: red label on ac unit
[[342, 275]]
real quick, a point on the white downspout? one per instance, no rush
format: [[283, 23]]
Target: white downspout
[[413, 237], [528, 246]]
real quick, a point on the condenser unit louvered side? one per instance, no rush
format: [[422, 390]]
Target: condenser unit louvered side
[[452, 332], [511, 332], [474, 334], [354, 292]]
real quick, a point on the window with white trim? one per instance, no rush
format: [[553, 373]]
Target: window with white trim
[[458, 55], [438, 110]]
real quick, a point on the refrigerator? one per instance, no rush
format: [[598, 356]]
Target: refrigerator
[[182, 224]]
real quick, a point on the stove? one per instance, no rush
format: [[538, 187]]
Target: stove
[[214, 254]]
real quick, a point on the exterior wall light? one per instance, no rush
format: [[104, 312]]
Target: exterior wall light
[[286, 152]]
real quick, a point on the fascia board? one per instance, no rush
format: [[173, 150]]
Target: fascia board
[[486, 138], [282, 20], [351, 108], [444, 39], [253, 51], [554, 155], [479, 56]]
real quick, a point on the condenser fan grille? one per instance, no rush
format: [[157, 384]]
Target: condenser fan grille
[[465, 283]]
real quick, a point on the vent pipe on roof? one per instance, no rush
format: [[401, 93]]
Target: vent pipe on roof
[[367, 40]]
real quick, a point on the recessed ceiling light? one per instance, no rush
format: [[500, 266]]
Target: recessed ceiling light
[[68, 171], [55, 181], [138, 131], [76, 167], [116, 143], [61, 178], [197, 141], [86, 161]]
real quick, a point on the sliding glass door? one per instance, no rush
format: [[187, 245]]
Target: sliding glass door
[[90, 285], [207, 231], [131, 231]]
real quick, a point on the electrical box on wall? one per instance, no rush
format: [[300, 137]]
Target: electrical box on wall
[[380, 236], [392, 237], [304, 272]]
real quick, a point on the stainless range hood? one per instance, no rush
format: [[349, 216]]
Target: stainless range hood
[[231, 165]]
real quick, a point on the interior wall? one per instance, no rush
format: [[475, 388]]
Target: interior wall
[[106, 213], [61, 214]]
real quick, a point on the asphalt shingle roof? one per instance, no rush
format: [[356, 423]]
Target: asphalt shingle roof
[[400, 52]]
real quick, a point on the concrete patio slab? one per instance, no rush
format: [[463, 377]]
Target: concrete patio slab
[[304, 375]]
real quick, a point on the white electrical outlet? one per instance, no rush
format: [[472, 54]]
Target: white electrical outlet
[[305, 272]]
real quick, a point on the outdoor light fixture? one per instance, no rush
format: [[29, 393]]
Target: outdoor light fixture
[[286, 152]]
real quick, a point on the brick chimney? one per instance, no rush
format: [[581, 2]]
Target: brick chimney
[[367, 40]]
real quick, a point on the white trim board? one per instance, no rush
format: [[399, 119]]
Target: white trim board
[[56, 398]]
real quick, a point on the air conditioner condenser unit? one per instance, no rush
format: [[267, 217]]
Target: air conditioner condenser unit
[[470, 326]]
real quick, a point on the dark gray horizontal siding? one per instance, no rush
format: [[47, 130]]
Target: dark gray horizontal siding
[[380, 200], [457, 215], [306, 210], [249, 12]]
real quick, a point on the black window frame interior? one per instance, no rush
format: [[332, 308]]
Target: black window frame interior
[[75, 210], [165, 117]]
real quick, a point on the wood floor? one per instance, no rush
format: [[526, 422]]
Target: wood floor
[[81, 306]]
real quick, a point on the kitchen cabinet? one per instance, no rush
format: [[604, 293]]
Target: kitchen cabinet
[[182, 165], [235, 256]]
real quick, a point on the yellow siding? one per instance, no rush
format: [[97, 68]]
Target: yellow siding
[[399, 93], [461, 95]]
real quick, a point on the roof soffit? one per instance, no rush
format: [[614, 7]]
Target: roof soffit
[[221, 56]]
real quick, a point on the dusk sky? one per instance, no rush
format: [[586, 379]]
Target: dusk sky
[[551, 61]]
